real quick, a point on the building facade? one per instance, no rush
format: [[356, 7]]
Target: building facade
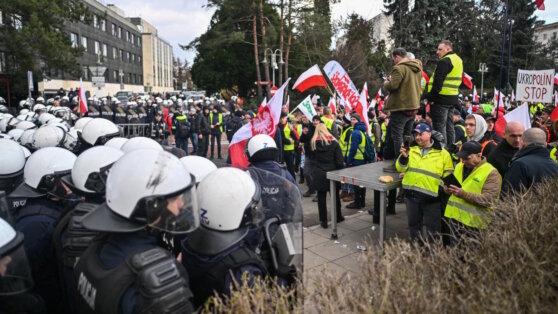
[[157, 58], [381, 24], [545, 33], [111, 41]]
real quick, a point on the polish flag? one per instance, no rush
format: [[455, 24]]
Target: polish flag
[[264, 102], [82, 101], [310, 78], [363, 110], [554, 114], [332, 105], [540, 4], [498, 101], [556, 79], [475, 95], [265, 122], [425, 77], [520, 114], [467, 80]]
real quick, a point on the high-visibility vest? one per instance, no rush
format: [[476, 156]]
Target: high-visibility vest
[[451, 84], [384, 131], [372, 136], [328, 122], [462, 127], [535, 108], [343, 143], [553, 154], [220, 120], [424, 173], [359, 155], [486, 108], [287, 132], [466, 213]]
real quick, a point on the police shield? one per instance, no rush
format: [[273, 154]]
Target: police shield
[[281, 224]]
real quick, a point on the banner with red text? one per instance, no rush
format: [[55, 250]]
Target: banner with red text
[[535, 86]]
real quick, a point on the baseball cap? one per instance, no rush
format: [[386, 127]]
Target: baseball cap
[[456, 112], [469, 148], [422, 127]]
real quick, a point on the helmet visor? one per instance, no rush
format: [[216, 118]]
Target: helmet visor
[[15, 274], [176, 214]]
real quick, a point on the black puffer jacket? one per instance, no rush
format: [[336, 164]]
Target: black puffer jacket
[[326, 158], [530, 165]]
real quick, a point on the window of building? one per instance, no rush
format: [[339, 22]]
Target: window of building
[[115, 74], [95, 21], [554, 35], [127, 36], [113, 29], [133, 40], [103, 25], [121, 55], [139, 41], [1, 20], [133, 58], [84, 42], [97, 48], [139, 59], [16, 21], [114, 53], [105, 50], [85, 72], [74, 39], [120, 32], [127, 56]]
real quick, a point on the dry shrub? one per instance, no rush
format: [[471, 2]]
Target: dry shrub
[[510, 267]]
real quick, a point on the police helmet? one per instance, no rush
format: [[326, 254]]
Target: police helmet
[[2, 101], [25, 125], [32, 116], [140, 142], [16, 274], [198, 166], [116, 142], [90, 170], [98, 131], [48, 136], [147, 188], [261, 147], [8, 123], [40, 100], [226, 216], [26, 138], [71, 140], [24, 111], [26, 151], [15, 134], [6, 136], [45, 117], [43, 171], [12, 161], [81, 122], [39, 108], [3, 108]]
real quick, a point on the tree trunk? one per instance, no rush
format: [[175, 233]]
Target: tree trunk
[[264, 42], [290, 30], [280, 81], [256, 53]]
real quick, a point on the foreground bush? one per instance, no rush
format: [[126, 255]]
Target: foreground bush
[[511, 267]]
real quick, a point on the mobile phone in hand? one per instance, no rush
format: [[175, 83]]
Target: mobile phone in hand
[[407, 142]]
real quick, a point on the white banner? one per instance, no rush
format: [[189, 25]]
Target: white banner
[[535, 86], [307, 108]]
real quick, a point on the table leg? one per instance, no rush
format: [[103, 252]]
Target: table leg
[[333, 212], [382, 218]]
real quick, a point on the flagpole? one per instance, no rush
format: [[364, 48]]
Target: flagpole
[[502, 60]]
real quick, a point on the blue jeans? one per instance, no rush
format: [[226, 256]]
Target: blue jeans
[[182, 143], [194, 140]]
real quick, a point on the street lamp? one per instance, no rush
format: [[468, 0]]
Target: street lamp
[[482, 69], [273, 59]]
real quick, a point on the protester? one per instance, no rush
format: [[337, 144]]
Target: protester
[[443, 89], [216, 122], [531, 164], [404, 98], [328, 157], [474, 197], [500, 158], [476, 129], [289, 141], [490, 132], [459, 127], [424, 163], [355, 157]]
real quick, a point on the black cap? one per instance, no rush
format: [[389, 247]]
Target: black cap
[[456, 112], [469, 148]]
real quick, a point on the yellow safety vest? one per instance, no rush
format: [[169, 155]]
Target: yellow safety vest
[[466, 213], [359, 155], [328, 122], [299, 129], [553, 154], [451, 84], [287, 132], [220, 120], [486, 108], [343, 143], [462, 127], [384, 131], [424, 174]]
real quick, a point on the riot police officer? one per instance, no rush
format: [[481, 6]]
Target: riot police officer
[[119, 113], [129, 268], [98, 132], [107, 112], [46, 199], [262, 152], [12, 161], [93, 109]]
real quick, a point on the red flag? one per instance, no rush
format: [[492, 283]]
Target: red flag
[[500, 125], [82, 101], [425, 76], [332, 105], [310, 78], [264, 123], [540, 4], [475, 95], [467, 80], [554, 114], [556, 79]]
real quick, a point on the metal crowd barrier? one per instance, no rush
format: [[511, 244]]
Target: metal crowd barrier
[[135, 129]]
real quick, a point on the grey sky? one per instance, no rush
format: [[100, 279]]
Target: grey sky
[[180, 21]]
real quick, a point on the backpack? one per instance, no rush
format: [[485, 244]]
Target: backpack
[[369, 151], [184, 128]]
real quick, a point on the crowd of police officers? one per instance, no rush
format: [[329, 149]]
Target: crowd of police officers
[[94, 222]]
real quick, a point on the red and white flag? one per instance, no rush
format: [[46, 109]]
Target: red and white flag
[[332, 106], [556, 79], [467, 80], [364, 112], [287, 103], [264, 102], [540, 4], [498, 101], [475, 95], [82, 100], [310, 78], [345, 87], [519, 114], [265, 122]]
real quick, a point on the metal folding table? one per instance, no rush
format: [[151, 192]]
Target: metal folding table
[[366, 176]]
